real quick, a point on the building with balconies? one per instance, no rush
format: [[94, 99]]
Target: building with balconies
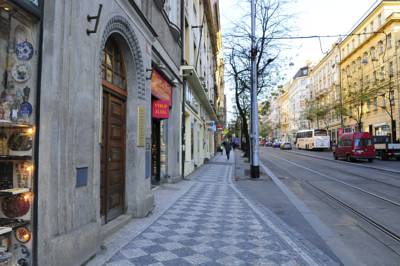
[[201, 70]]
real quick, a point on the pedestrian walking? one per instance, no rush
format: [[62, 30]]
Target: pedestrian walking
[[227, 146]]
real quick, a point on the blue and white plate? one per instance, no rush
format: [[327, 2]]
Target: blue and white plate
[[25, 109], [21, 72], [24, 50]]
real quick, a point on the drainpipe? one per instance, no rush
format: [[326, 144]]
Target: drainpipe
[[183, 148]]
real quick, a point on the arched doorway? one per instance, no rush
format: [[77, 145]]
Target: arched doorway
[[114, 84]]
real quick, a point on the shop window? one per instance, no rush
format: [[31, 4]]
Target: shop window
[[113, 67], [19, 49]]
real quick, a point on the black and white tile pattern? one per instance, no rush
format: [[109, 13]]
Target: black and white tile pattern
[[211, 224]]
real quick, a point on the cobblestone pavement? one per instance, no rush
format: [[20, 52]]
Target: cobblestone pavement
[[212, 224]]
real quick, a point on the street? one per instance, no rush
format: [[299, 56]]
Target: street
[[352, 208]]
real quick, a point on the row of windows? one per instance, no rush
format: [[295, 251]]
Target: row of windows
[[379, 73], [366, 33]]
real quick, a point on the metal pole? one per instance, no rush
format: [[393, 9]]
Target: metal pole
[[255, 167]]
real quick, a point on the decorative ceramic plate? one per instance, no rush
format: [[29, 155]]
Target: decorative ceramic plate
[[24, 50], [23, 234], [25, 109], [22, 255], [21, 72], [15, 206]]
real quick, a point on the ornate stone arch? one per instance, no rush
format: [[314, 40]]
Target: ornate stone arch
[[119, 24]]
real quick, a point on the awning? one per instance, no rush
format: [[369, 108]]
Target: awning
[[189, 73]]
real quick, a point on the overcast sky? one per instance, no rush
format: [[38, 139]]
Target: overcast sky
[[313, 17]]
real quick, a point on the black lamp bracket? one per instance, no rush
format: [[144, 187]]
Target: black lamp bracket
[[97, 18]]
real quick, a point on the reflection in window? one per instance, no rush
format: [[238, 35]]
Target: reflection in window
[[113, 68]]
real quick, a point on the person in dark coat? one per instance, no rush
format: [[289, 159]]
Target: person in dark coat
[[227, 146]]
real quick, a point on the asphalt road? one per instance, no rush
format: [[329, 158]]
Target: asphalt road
[[349, 210]]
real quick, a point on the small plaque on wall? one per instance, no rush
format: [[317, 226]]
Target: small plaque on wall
[[81, 176], [141, 126]]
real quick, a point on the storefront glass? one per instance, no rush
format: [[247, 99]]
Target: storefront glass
[[161, 102], [19, 43]]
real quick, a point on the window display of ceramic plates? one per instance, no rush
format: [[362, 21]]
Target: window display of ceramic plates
[[24, 50], [22, 255], [21, 72]]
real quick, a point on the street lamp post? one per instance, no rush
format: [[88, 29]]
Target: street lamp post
[[254, 167]]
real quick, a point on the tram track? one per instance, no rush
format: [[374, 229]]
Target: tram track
[[383, 170], [385, 199], [368, 217], [390, 174], [390, 233]]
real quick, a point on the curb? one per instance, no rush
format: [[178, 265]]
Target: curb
[[358, 165]]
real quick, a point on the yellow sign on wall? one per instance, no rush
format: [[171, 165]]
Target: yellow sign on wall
[[141, 126]]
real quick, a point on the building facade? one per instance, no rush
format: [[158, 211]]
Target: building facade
[[324, 104], [370, 72], [298, 95], [97, 89], [289, 106], [199, 72]]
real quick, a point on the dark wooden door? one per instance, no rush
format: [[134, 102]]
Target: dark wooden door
[[112, 157]]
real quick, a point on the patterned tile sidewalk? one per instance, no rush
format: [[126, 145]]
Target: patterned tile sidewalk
[[213, 224]]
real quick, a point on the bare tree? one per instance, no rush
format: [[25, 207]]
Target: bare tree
[[270, 23]]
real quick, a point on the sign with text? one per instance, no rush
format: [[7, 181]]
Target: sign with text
[[160, 109], [160, 88]]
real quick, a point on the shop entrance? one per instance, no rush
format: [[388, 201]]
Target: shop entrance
[[112, 183]]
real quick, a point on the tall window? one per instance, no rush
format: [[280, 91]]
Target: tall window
[[389, 40], [113, 67]]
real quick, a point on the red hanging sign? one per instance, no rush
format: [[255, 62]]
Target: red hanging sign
[[160, 109], [160, 88]]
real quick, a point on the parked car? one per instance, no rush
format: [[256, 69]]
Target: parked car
[[385, 149], [268, 144], [286, 146], [276, 144], [355, 146]]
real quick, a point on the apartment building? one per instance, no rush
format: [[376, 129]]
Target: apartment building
[[201, 48], [370, 72]]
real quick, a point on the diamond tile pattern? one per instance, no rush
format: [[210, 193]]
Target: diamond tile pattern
[[209, 225]]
